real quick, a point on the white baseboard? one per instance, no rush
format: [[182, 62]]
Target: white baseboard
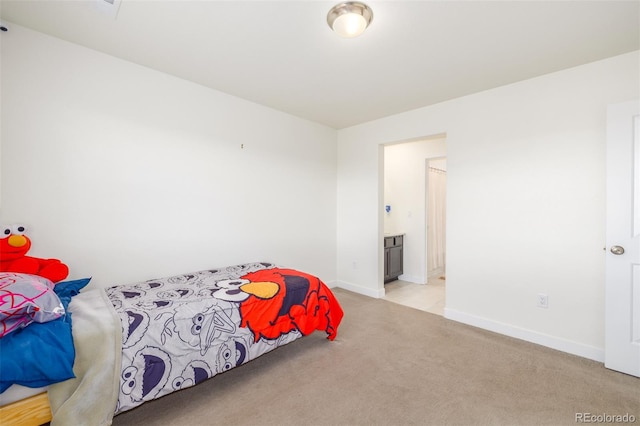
[[412, 279], [331, 284], [377, 293], [590, 352]]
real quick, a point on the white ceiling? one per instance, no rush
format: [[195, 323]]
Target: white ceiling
[[283, 55]]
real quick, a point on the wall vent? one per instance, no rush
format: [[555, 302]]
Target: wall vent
[[108, 7]]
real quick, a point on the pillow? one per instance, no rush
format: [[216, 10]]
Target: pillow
[[26, 298], [41, 354]]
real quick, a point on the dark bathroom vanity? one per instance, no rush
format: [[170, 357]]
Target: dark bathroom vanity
[[393, 254]]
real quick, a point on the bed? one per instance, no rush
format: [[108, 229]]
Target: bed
[[142, 341]]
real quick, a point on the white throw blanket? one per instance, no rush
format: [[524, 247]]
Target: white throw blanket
[[91, 398]]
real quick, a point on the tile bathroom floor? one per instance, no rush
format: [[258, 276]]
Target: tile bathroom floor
[[429, 297]]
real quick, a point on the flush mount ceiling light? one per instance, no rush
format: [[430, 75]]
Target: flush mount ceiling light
[[349, 19]]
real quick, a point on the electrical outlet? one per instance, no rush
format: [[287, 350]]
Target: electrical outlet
[[543, 301]]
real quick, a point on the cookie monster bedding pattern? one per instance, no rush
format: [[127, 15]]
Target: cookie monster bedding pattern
[[181, 330]]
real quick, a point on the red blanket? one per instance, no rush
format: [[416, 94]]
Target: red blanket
[[283, 300]]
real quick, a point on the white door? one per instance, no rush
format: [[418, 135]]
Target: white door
[[622, 295]]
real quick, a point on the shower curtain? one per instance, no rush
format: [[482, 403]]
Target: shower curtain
[[436, 218]]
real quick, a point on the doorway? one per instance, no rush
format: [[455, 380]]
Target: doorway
[[406, 181], [436, 201], [436, 208]]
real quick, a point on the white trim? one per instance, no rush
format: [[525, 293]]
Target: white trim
[[331, 284], [378, 294], [412, 279], [590, 352]]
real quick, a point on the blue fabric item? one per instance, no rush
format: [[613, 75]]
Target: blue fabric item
[[41, 354], [67, 289]]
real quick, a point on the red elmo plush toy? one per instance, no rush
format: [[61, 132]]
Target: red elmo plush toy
[[14, 245]]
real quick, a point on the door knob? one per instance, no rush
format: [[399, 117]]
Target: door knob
[[617, 250]]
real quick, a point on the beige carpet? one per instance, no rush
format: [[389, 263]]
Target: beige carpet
[[393, 365]]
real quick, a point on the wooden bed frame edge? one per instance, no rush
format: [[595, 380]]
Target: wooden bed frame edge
[[32, 411]]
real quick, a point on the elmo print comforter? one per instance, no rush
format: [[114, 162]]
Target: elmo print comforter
[[181, 330]]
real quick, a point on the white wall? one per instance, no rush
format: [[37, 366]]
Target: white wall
[[125, 173], [525, 200], [405, 191]]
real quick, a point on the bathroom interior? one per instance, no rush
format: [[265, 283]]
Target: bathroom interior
[[415, 175]]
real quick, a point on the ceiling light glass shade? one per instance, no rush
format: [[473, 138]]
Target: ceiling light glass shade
[[349, 19]]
